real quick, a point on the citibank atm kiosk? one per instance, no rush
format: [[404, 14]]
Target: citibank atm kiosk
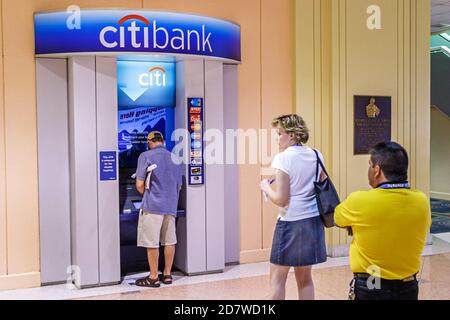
[[146, 103], [171, 72]]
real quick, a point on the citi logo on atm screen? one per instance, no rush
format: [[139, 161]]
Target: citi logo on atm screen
[[162, 38], [154, 77]]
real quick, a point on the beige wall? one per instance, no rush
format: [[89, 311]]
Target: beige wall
[[266, 81], [3, 252], [440, 154], [338, 57]]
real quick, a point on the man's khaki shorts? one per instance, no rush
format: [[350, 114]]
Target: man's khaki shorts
[[154, 229]]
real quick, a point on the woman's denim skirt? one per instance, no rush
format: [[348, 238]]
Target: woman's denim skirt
[[299, 243]]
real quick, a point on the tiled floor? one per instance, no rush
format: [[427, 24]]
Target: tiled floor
[[251, 281], [331, 284]]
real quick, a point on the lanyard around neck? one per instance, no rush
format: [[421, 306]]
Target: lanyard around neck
[[401, 185]]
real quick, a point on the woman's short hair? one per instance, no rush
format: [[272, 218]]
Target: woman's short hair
[[293, 123]]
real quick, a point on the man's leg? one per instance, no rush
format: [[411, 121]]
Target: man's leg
[[149, 235], [149, 227], [153, 256], [168, 240], [169, 255], [410, 291]]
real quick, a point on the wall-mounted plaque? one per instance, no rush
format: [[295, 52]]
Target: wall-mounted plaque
[[372, 122]]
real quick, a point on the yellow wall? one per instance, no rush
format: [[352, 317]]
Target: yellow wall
[[440, 155], [265, 86], [338, 57]]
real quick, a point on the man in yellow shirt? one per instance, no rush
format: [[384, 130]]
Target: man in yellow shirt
[[390, 224]]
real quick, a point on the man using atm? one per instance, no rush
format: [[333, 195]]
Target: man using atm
[[160, 193]]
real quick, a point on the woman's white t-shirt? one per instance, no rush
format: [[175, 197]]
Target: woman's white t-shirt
[[299, 162]]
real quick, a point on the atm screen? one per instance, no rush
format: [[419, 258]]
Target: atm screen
[[135, 125], [146, 102]]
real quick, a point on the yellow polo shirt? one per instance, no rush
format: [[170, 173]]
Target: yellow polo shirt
[[390, 227]]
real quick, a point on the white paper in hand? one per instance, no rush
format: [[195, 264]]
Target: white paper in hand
[[149, 175]]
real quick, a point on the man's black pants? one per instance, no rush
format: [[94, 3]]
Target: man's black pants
[[387, 290]]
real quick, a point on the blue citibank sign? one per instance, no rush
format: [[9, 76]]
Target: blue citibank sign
[[145, 84], [127, 31]]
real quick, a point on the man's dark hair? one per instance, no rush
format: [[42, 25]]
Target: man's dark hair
[[157, 138], [392, 159]]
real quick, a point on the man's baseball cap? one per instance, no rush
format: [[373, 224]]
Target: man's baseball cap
[[155, 134]]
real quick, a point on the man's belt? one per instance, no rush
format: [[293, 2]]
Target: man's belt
[[365, 276]]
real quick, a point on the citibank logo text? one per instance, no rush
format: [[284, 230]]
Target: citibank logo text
[[162, 38], [155, 77]]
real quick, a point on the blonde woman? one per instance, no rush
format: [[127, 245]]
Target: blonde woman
[[299, 238]]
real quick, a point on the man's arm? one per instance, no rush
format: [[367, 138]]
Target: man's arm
[[140, 186], [141, 172], [345, 214]]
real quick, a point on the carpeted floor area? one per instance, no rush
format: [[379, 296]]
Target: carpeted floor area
[[440, 214]]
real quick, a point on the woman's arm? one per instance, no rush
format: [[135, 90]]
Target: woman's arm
[[280, 196]]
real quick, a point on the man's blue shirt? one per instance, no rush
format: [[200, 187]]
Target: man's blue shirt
[[165, 182]]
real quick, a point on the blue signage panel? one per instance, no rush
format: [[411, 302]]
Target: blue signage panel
[[108, 166], [196, 125], [134, 127], [146, 84], [136, 31]]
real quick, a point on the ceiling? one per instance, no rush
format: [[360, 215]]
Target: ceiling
[[440, 15]]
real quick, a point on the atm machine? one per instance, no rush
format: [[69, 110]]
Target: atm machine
[[93, 211], [92, 125], [198, 99], [139, 113]]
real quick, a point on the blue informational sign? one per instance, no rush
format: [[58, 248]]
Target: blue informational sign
[[196, 129], [146, 84], [136, 31], [108, 166]]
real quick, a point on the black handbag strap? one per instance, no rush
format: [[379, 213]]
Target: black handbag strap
[[319, 162]]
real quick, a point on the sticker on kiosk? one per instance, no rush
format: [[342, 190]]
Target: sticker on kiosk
[[195, 110], [195, 118], [196, 180], [196, 136], [196, 126], [196, 161]]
